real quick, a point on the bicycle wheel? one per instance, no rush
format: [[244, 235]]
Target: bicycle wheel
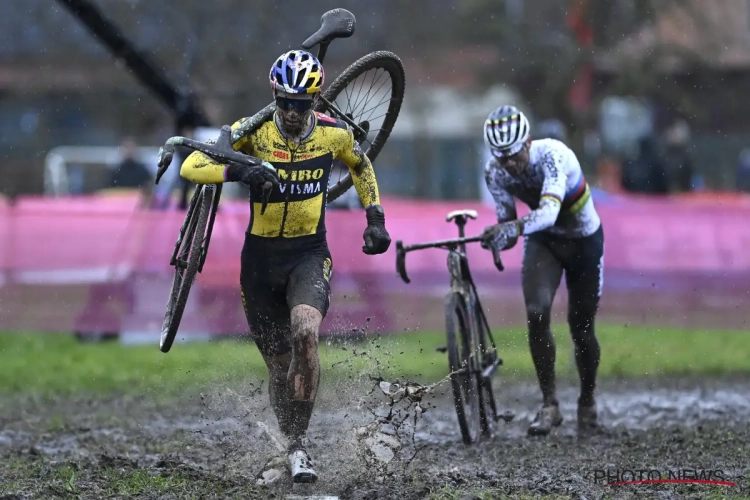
[[370, 92], [186, 266], [466, 397], [487, 355]]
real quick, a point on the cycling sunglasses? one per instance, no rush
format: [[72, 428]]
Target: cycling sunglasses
[[301, 105], [510, 152]]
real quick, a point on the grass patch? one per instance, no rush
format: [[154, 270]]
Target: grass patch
[[95, 481], [47, 364], [66, 476], [140, 482]]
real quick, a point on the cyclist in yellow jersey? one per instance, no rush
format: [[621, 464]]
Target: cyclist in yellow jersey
[[286, 266]]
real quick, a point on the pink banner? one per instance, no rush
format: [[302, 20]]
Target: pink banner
[[107, 251]]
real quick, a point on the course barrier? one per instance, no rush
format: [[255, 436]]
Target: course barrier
[[100, 264]]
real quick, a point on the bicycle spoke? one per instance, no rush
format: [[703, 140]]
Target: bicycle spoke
[[357, 102], [373, 82], [341, 171], [372, 86], [377, 117], [372, 109], [364, 96], [348, 100], [382, 100], [386, 96]]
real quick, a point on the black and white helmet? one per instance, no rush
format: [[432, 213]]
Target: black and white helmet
[[506, 131]]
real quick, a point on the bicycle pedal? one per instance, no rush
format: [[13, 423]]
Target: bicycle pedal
[[442, 349]]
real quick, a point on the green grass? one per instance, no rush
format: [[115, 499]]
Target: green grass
[[114, 481], [139, 482], [53, 364]]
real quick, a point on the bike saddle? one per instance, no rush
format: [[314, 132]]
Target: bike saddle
[[463, 214], [336, 23]]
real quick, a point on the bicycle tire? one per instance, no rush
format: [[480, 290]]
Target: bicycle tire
[[390, 63], [464, 387], [191, 251], [487, 394], [491, 414]]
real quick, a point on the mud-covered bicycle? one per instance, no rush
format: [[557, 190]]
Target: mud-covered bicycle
[[472, 354], [378, 76]]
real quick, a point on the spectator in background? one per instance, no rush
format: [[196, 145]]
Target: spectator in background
[[743, 171], [681, 173], [609, 173], [131, 173], [647, 173]]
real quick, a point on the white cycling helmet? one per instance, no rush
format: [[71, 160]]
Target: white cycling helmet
[[506, 131]]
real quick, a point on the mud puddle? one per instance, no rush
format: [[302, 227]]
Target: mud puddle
[[213, 446], [621, 405]]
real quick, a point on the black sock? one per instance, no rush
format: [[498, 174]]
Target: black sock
[[299, 419]]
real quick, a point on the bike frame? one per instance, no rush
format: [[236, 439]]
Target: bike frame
[[174, 261], [463, 283], [461, 280]]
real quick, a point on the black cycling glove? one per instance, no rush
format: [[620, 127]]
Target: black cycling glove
[[377, 239], [252, 176]]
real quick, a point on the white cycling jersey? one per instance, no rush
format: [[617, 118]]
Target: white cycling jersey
[[552, 186]]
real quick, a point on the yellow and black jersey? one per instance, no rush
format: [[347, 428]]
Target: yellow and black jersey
[[297, 208]]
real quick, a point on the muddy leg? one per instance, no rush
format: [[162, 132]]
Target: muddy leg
[[587, 352], [269, 322], [303, 375], [584, 279], [541, 276], [278, 390]]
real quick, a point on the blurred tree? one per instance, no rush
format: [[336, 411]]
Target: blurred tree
[[548, 48], [539, 54], [223, 49]]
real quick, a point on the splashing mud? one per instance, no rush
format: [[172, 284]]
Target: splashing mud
[[371, 437]]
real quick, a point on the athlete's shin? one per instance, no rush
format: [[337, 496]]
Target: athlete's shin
[[542, 346], [304, 371], [541, 275], [587, 351], [303, 376], [278, 390]]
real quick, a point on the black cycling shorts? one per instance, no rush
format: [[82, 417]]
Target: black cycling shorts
[[276, 275], [546, 256]]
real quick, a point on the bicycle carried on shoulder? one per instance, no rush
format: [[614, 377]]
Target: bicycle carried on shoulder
[[472, 354], [349, 98]]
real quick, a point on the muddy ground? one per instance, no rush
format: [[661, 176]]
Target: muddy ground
[[213, 445]]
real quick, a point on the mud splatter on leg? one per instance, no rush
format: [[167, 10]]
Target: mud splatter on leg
[[303, 376]]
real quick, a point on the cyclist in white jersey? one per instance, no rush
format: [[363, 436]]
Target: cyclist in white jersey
[[562, 232]]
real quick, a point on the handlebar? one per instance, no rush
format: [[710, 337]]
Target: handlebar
[[221, 151], [402, 250]]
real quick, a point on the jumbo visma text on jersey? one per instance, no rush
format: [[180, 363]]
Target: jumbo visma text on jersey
[[301, 181], [297, 207]]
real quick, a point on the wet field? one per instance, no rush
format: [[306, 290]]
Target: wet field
[[215, 444]]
